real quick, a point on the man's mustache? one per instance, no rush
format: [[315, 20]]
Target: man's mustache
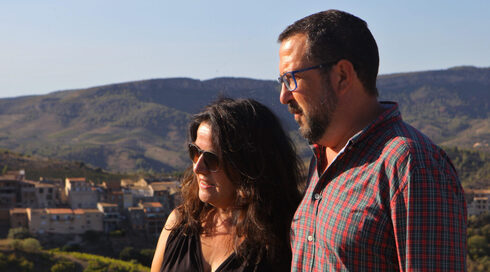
[[294, 108]]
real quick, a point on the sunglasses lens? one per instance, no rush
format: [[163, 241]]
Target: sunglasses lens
[[193, 153], [211, 160]]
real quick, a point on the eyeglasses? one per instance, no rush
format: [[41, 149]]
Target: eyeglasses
[[290, 81], [211, 160]]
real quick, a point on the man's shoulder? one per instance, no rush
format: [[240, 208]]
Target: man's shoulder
[[405, 141], [390, 133], [410, 138]]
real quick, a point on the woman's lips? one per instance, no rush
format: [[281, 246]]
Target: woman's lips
[[205, 185]]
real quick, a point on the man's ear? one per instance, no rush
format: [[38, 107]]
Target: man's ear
[[344, 75]]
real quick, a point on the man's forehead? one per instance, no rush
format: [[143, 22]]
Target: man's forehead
[[295, 42], [293, 50]]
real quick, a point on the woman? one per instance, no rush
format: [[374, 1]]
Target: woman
[[240, 197]]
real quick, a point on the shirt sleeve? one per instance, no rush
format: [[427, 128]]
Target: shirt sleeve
[[428, 212]]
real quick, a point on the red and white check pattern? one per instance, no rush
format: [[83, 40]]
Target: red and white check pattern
[[390, 201]]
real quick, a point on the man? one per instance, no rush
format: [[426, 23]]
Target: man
[[380, 195]]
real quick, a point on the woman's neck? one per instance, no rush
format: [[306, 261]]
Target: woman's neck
[[218, 222]]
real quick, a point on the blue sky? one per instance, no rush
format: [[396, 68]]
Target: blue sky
[[55, 45]]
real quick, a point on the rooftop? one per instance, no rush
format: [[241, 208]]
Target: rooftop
[[8, 177], [112, 184], [18, 210], [75, 179], [59, 211], [82, 211], [104, 204], [477, 191], [152, 204], [165, 186]]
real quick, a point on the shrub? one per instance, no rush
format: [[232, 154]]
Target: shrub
[[71, 247], [95, 266], [25, 265], [116, 233], [14, 263], [63, 266], [3, 262], [113, 267]]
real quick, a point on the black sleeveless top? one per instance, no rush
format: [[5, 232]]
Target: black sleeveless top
[[183, 253]]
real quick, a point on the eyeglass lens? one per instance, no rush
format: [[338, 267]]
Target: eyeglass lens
[[210, 160], [289, 82]]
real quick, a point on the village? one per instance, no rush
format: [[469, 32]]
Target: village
[[77, 205]]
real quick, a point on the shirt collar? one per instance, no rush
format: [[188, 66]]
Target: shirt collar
[[390, 112]]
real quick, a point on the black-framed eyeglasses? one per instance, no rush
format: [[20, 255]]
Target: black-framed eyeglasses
[[289, 80], [211, 160]]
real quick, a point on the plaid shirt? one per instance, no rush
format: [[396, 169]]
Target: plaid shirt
[[391, 200]]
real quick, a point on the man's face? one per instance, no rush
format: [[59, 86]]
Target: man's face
[[314, 101]]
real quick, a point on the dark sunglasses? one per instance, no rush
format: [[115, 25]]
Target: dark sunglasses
[[211, 160]]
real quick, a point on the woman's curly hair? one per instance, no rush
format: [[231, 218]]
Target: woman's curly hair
[[261, 161]]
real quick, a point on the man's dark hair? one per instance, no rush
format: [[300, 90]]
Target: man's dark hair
[[261, 161], [333, 35]]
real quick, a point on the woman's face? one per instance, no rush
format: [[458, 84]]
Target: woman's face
[[215, 188]]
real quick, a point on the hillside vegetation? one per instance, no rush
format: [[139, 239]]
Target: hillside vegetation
[[142, 125]]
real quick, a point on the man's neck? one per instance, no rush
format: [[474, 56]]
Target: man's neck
[[349, 121]]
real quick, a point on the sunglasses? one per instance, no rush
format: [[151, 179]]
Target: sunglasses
[[211, 160]]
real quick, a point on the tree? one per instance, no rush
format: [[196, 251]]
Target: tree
[[16, 244], [477, 246], [146, 256], [31, 245], [486, 231], [19, 233], [128, 253]]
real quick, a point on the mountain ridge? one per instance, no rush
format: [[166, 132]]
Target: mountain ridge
[[142, 124]]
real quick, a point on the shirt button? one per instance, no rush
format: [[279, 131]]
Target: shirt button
[[310, 238], [317, 196]]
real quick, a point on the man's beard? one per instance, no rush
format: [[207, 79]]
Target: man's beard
[[319, 116]]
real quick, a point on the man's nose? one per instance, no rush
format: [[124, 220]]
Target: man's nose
[[285, 95]]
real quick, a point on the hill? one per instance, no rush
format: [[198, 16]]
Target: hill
[[450, 106], [142, 125], [36, 167]]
